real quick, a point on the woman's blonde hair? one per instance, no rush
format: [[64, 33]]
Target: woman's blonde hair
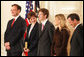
[[62, 19]]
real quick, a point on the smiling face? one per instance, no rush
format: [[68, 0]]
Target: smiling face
[[41, 16], [72, 23], [14, 11], [33, 19]]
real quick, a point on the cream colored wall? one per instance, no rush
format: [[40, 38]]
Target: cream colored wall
[[64, 7], [54, 7]]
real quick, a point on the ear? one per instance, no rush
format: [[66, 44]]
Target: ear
[[45, 16], [18, 11], [75, 20]]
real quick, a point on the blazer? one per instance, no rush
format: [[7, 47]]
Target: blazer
[[32, 40], [45, 39], [60, 41], [77, 42], [15, 35]]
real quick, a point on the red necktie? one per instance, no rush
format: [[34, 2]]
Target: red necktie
[[12, 23]]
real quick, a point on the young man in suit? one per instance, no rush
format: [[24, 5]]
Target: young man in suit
[[46, 31], [77, 37], [13, 37]]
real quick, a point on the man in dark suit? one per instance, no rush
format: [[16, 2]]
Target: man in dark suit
[[46, 31], [14, 33], [77, 37]]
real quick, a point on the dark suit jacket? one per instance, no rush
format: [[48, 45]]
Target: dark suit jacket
[[45, 39], [32, 40], [77, 42], [60, 41], [15, 35]]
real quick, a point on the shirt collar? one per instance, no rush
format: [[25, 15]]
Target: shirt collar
[[77, 25], [44, 21], [16, 17]]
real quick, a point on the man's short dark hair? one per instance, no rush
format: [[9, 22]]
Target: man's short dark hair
[[45, 11], [74, 16], [18, 7]]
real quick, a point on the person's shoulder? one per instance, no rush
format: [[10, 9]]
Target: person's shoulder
[[37, 24], [65, 31], [80, 28], [10, 20], [21, 18], [49, 23]]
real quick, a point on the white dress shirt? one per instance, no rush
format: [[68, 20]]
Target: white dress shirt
[[77, 25], [31, 27], [16, 17], [43, 23]]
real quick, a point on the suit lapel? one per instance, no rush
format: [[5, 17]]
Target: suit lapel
[[28, 28], [72, 36], [33, 31], [44, 28], [17, 21], [75, 32], [40, 29], [10, 23]]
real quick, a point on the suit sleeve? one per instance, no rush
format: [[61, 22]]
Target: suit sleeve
[[51, 33], [52, 47], [79, 38], [7, 32]]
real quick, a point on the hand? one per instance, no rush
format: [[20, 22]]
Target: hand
[[55, 55], [26, 50], [7, 44]]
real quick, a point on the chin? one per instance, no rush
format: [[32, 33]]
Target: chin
[[73, 26], [13, 15], [39, 19]]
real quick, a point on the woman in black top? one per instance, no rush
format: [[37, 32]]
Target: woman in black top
[[32, 35]]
